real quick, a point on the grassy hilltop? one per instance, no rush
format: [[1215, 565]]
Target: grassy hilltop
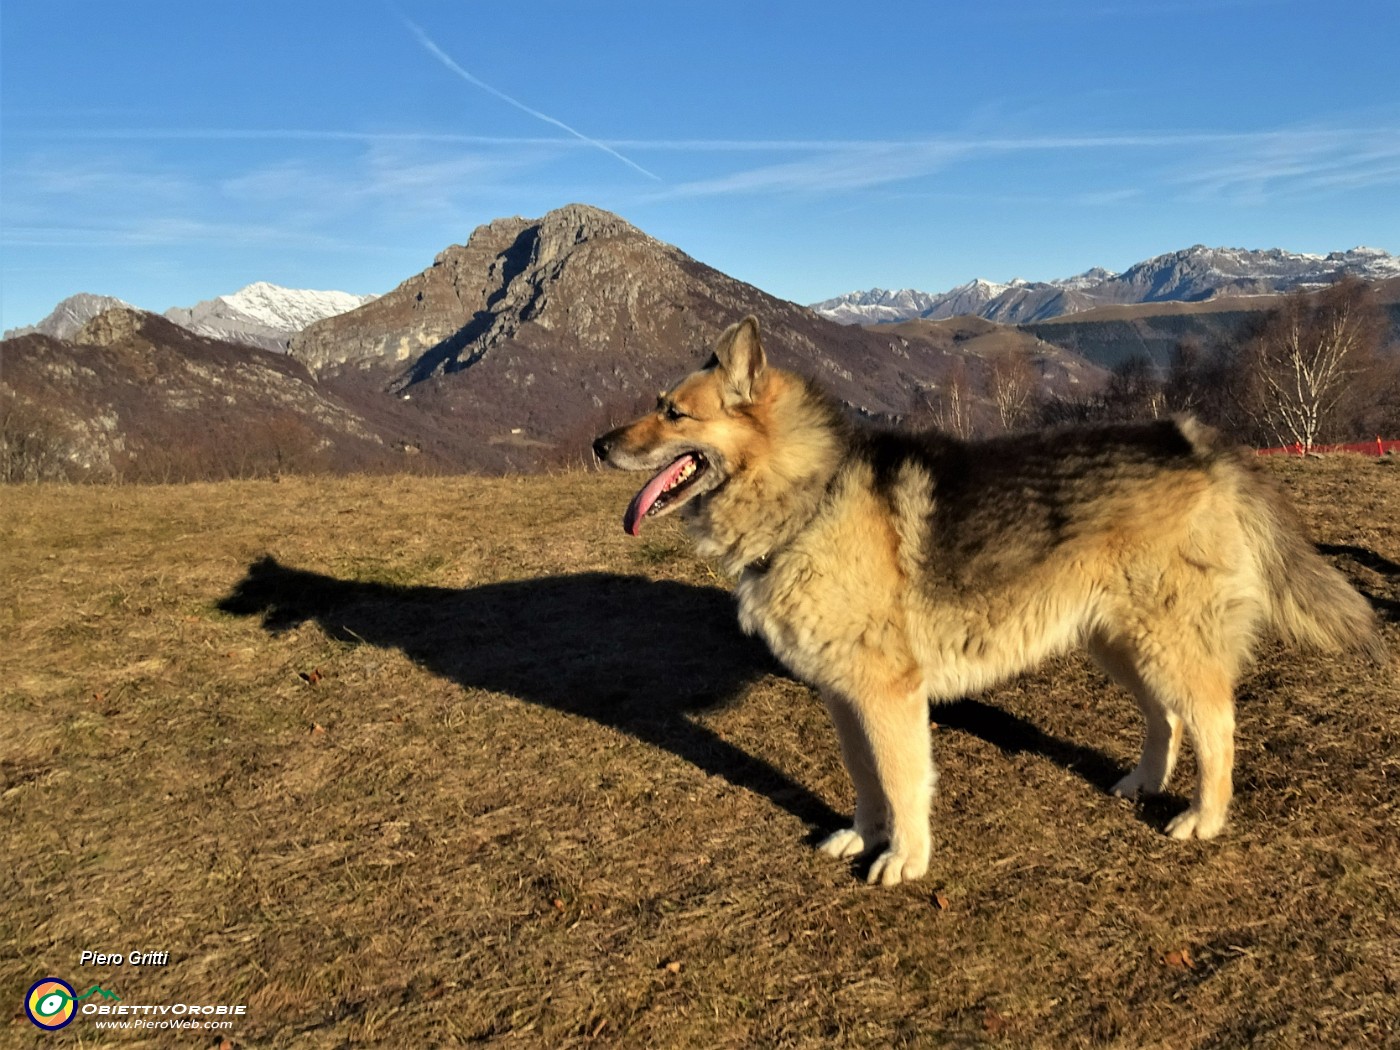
[[426, 761]]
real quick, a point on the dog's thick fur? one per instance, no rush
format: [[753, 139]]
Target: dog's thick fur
[[890, 570]]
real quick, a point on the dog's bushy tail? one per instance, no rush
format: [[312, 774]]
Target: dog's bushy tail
[[1310, 603]]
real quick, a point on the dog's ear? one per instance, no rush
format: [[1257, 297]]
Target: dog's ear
[[739, 355]]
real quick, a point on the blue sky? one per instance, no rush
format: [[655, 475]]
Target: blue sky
[[169, 152]]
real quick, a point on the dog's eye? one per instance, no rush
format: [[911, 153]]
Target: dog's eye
[[672, 413]]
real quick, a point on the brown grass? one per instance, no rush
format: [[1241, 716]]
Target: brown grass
[[511, 807]]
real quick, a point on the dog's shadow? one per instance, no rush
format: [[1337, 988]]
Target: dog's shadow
[[1013, 735], [638, 655], [641, 656]]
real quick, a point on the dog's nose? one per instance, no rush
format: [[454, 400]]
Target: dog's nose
[[600, 448]]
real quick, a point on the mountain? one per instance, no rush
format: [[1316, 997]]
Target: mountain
[[263, 314], [539, 333], [1192, 275], [877, 305], [68, 316], [133, 396]]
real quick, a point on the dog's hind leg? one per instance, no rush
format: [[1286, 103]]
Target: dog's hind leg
[[871, 824], [1181, 686], [1208, 708], [1162, 743]]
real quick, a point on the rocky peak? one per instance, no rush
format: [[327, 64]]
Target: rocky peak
[[69, 316], [113, 326], [547, 238], [473, 296]]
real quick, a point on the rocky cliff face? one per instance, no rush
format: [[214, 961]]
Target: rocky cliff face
[[477, 295]]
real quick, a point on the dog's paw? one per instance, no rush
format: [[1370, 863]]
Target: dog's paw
[[1137, 782], [848, 842], [893, 867], [1194, 824]]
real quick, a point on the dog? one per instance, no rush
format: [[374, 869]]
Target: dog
[[889, 570]]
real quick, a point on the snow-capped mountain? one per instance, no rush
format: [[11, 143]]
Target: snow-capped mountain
[[876, 305], [69, 316], [263, 314], [1190, 275], [1087, 279]]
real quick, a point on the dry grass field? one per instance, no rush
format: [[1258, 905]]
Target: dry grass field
[[429, 762]]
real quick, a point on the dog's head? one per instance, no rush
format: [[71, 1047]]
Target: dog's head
[[701, 432]]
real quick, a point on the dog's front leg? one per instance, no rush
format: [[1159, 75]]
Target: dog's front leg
[[896, 726], [885, 746], [871, 825]]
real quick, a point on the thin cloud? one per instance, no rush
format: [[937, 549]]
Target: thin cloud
[[447, 61], [167, 232], [1290, 165], [839, 166], [1253, 163], [292, 135], [840, 170], [988, 143]]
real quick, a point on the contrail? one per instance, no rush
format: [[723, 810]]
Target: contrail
[[446, 60]]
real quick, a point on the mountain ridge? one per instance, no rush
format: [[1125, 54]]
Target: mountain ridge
[[1192, 274], [134, 396], [260, 314]]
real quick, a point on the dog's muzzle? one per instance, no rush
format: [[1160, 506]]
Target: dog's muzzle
[[604, 445]]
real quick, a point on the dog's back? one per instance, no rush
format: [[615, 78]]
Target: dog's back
[[1167, 498]]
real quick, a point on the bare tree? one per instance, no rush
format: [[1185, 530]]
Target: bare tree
[[1299, 370], [1134, 391], [951, 408], [1014, 385]]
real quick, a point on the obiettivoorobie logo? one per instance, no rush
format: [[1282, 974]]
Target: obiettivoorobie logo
[[52, 1004]]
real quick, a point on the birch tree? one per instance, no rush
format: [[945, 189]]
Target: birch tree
[[953, 414], [1013, 385], [1303, 363]]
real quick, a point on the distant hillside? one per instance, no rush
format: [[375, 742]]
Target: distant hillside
[[1109, 335], [1110, 341], [980, 342], [135, 397]]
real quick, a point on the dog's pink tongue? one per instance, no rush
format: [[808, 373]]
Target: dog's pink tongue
[[642, 501]]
